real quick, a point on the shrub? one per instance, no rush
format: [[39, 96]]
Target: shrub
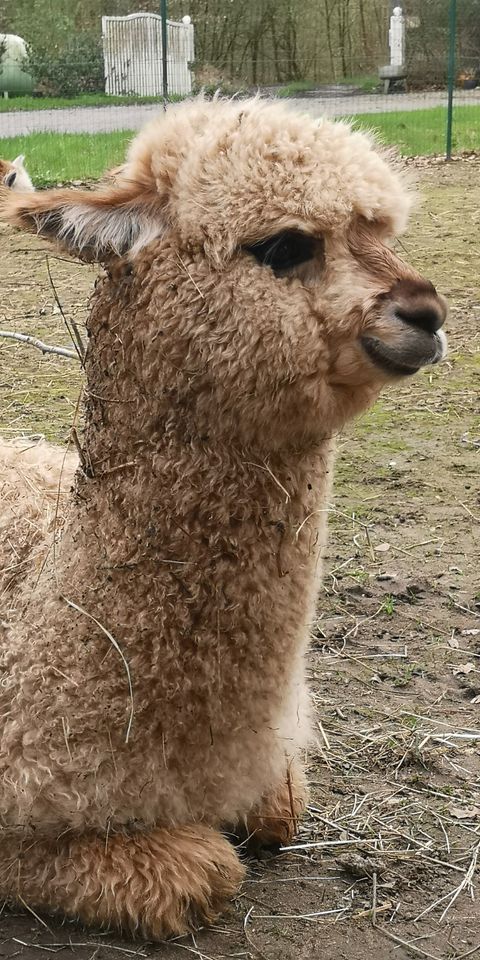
[[75, 67]]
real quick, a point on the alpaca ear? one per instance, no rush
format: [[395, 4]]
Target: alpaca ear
[[19, 161], [92, 225]]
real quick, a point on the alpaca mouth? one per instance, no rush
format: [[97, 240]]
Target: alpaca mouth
[[403, 360]]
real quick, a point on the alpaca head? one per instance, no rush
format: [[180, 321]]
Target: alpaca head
[[263, 241], [14, 175]]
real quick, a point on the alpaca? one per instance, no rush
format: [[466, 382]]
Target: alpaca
[[14, 174], [153, 692]]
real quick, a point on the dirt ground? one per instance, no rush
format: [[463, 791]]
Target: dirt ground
[[385, 863]]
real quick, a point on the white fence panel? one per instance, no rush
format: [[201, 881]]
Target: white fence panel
[[132, 51]]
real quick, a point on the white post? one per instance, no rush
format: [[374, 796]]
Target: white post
[[396, 38], [189, 52]]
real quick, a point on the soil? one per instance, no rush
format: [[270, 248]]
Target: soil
[[385, 862]]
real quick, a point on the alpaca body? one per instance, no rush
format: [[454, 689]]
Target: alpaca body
[[153, 657], [208, 684]]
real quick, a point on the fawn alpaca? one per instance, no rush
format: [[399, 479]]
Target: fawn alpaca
[[14, 175], [153, 683]]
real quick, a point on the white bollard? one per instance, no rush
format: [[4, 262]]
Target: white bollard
[[396, 38]]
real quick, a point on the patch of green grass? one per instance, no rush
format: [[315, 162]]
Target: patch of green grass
[[388, 605], [296, 86], [422, 132], [58, 157], [408, 673], [61, 157], [409, 721], [360, 576], [15, 104], [368, 83]]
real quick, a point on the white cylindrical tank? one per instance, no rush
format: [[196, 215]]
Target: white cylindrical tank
[[14, 78]]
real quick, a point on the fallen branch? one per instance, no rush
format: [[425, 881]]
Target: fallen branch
[[70, 324], [39, 344]]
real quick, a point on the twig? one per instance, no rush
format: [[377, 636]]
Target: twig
[[189, 275], [319, 844], [469, 953], [301, 916], [39, 946], [78, 446], [324, 735], [267, 469], [70, 679], [459, 606], [118, 466], [65, 735], [291, 800], [39, 344], [464, 883], [247, 935], [75, 336], [32, 911], [198, 953], [406, 944], [360, 523], [114, 643], [367, 913], [341, 827], [70, 944], [464, 505], [76, 414]]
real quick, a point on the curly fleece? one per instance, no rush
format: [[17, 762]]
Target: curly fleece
[[153, 676]]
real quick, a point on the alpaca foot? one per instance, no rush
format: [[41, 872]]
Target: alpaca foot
[[158, 884], [274, 820]]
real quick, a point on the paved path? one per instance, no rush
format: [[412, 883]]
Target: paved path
[[106, 119]]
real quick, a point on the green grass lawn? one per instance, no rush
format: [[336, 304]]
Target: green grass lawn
[[14, 104], [60, 157], [294, 87], [54, 157], [422, 132], [366, 83]]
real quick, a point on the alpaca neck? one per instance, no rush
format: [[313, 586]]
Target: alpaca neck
[[166, 497]]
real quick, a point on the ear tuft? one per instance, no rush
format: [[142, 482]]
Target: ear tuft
[[113, 221]]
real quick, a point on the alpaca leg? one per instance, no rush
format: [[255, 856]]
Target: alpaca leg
[[274, 820], [158, 884]]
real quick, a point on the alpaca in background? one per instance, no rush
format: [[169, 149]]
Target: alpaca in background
[[14, 175]]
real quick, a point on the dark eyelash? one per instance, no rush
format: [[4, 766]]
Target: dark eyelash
[[284, 250]]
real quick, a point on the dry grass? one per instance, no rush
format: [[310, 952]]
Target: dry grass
[[386, 861]]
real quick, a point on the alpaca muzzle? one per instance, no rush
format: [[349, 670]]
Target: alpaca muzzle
[[408, 334]]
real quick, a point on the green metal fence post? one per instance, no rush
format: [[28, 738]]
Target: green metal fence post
[[163, 13], [452, 28]]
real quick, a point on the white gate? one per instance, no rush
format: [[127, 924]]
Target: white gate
[[132, 52]]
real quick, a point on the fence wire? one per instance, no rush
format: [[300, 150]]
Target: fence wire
[[74, 95]]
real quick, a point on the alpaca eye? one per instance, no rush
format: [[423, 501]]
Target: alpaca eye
[[284, 251]]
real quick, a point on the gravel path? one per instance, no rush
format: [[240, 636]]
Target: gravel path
[[106, 119]]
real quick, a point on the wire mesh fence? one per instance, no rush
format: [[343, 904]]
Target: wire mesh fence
[[83, 78]]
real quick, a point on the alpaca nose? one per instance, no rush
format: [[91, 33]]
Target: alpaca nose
[[417, 303]]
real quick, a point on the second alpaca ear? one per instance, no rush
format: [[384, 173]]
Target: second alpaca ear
[[19, 162], [92, 225]]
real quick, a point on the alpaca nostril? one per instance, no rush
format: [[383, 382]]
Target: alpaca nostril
[[417, 303], [428, 317]]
